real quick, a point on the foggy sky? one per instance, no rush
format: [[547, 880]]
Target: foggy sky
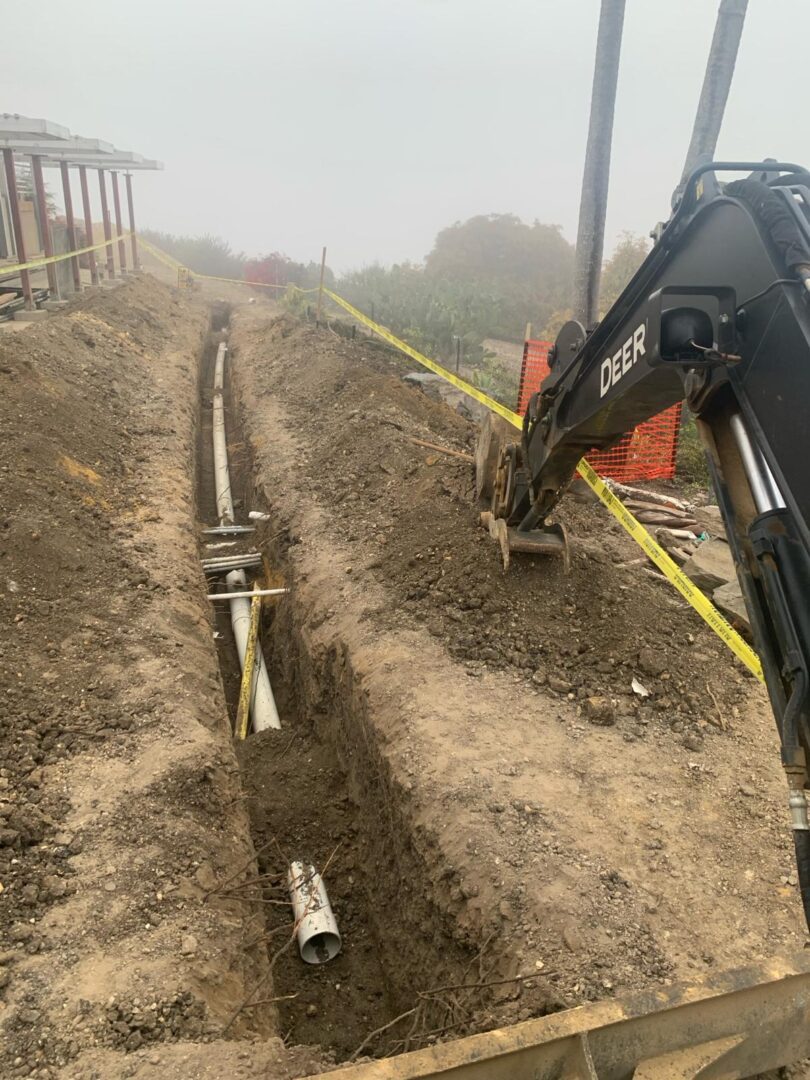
[[368, 125]]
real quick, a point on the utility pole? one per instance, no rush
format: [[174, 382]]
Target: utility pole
[[716, 84], [593, 204], [320, 289]]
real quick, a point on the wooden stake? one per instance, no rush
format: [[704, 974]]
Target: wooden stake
[[246, 687]]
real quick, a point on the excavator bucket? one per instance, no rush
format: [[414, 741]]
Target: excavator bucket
[[550, 540]]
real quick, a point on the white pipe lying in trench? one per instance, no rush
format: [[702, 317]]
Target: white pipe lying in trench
[[263, 709], [316, 926], [222, 480]]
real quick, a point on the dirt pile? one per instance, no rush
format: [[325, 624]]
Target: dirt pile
[[547, 817], [118, 791]]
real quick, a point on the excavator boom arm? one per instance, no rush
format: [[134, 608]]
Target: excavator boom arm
[[718, 315]]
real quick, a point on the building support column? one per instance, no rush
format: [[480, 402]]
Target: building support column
[[44, 223], [16, 224]]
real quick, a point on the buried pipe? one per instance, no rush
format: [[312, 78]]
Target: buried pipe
[[315, 924], [263, 709], [222, 480]]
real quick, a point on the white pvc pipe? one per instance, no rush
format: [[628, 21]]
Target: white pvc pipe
[[263, 709], [316, 926], [222, 480]]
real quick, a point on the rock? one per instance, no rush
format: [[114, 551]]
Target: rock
[[710, 520], [134, 1041], [539, 678], [599, 711], [312, 1010], [572, 938], [651, 662], [729, 599], [711, 566], [55, 887], [188, 946], [559, 685], [693, 742], [8, 837]]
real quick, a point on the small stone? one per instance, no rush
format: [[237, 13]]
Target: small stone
[[312, 1010], [109, 886], [747, 791], [693, 743], [188, 946], [560, 686], [539, 678], [572, 938], [134, 1041], [599, 711]]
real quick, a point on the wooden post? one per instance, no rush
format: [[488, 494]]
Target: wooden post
[[320, 289]]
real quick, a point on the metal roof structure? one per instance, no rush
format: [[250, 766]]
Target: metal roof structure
[[54, 142], [13, 126], [51, 145]]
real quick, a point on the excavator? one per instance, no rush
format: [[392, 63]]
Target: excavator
[[718, 315]]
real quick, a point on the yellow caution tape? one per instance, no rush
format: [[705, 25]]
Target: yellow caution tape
[[688, 590], [699, 601], [14, 268], [161, 256], [460, 384]]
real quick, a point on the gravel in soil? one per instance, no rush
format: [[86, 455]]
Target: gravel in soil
[[118, 788], [608, 839]]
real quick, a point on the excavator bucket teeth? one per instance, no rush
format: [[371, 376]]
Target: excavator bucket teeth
[[550, 540]]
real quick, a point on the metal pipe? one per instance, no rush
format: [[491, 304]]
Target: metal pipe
[[593, 202], [716, 84], [122, 248], [70, 222], [16, 224], [316, 926], [88, 224], [105, 217], [133, 240], [764, 488], [263, 707], [44, 223]]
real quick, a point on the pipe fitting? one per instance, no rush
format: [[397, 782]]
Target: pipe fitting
[[316, 927]]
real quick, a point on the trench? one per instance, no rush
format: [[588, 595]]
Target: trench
[[320, 791]]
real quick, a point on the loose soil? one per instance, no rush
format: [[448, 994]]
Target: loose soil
[[461, 751], [609, 844], [119, 792]]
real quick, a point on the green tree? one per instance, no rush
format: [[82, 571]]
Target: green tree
[[627, 257], [203, 254]]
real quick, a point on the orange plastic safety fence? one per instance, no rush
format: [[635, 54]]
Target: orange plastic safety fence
[[646, 453]]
